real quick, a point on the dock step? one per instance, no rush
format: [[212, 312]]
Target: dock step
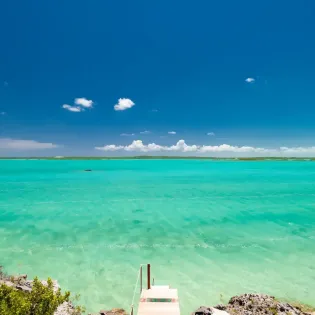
[[159, 300]]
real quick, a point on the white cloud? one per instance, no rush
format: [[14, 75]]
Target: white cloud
[[111, 147], [123, 104], [250, 80], [154, 110], [181, 146], [172, 132], [127, 134], [75, 109], [5, 83], [137, 145], [215, 150], [145, 132], [82, 101], [210, 134], [230, 148], [2, 113], [7, 143], [295, 150]]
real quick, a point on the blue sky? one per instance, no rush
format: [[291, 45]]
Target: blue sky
[[182, 63]]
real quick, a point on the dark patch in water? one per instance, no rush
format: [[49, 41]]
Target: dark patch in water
[[138, 210], [301, 231], [136, 221]]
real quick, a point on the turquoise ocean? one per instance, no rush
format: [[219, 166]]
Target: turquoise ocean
[[212, 229]]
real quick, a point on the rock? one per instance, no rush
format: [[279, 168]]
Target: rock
[[24, 288], [19, 279], [66, 308], [29, 284], [114, 311], [202, 310], [259, 304], [221, 307]]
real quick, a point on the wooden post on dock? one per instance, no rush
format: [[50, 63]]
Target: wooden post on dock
[[149, 276]]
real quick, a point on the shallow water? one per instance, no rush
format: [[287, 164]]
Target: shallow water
[[212, 229]]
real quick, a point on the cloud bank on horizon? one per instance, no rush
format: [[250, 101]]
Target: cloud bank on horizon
[[15, 144], [182, 147]]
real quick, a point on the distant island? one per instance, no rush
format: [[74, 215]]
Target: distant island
[[147, 157]]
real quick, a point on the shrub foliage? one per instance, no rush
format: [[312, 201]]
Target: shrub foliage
[[42, 300]]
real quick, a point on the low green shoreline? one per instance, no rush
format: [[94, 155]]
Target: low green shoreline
[[161, 158]]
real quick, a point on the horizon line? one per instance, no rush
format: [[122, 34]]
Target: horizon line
[[157, 157]]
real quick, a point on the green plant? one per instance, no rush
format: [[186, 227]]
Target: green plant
[[13, 301], [42, 300], [79, 310], [274, 310]]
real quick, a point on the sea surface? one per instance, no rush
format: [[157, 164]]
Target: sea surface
[[212, 229]]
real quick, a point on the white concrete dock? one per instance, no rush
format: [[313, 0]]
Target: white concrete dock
[[159, 300]]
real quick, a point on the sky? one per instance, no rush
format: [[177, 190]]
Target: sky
[[162, 77]]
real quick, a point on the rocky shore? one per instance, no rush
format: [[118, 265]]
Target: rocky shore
[[246, 304], [255, 304]]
